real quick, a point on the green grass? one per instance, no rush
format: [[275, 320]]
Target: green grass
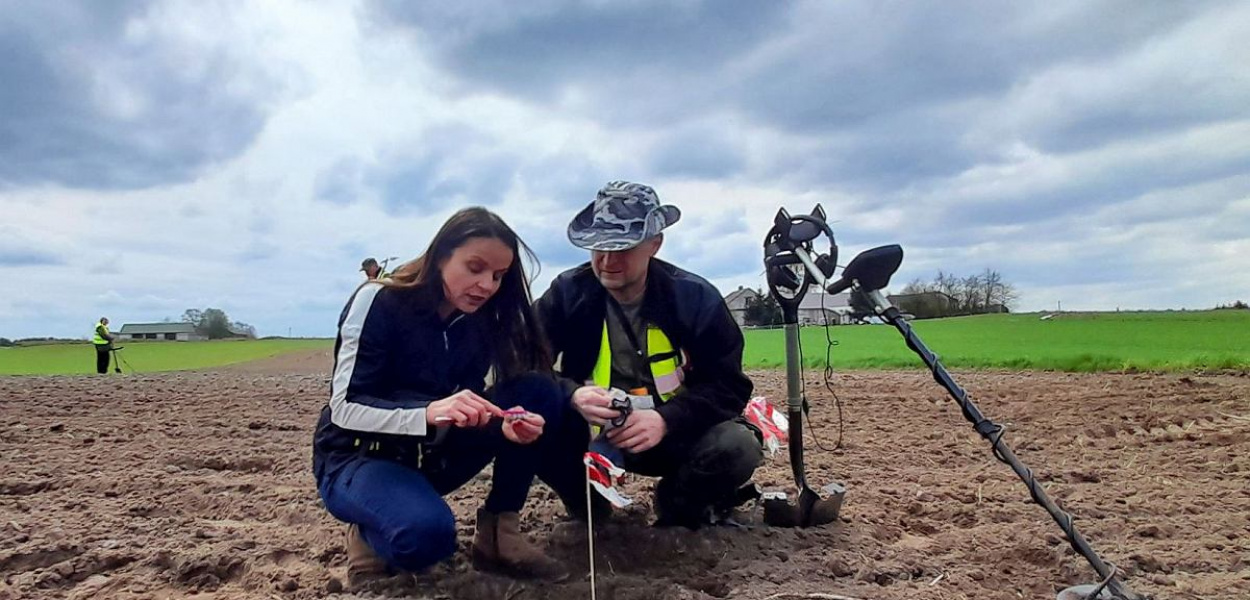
[[146, 357], [1084, 342]]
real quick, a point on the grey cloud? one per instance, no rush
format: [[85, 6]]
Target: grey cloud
[[192, 211], [713, 245], [701, 152], [1088, 189], [17, 249], [738, 259], [569, 180], [354, 250], [86, 105], [878, 155], [258, 250], [1172, 110], [453, 164], [850, 62], [551, 244], [891, 91], [28, 257], [340, 184], [423, 185], [535, 49], [800, 66]]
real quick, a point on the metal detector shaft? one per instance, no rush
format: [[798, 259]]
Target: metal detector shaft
[[993, 433]]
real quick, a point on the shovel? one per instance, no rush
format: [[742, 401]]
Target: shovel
[[790, 238], [812, 508]]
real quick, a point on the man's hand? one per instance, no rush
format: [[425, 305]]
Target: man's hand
[[524, 429], [641, 432], [594, 404], [462, 409]]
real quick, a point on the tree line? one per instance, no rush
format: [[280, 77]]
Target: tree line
[[215, 324], [946, 295], [949, 295]]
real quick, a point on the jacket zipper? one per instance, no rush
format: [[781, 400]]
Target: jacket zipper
[[446, 342]]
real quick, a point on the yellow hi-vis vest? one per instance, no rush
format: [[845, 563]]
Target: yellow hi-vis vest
[[98, 339], [665, 363]]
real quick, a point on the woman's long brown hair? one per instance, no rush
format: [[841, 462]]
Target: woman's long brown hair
[[520, 345]]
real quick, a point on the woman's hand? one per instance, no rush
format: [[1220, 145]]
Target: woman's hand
[[523, 429], [462, 409]]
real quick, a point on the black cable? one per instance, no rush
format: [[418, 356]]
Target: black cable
[[828, 373], [828, 376], [118, 360]]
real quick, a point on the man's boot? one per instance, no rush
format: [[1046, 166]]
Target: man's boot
[[676, 509], [363, 564], [499, 546], [575, 506]]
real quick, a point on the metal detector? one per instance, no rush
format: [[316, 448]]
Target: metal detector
[[790, 238], [118, 360], [869, 273], [386, 263]]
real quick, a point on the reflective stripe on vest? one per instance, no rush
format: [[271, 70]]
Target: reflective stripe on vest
[[97, 338], [666, 371]]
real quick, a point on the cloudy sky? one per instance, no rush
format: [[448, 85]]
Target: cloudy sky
[[158, 156]]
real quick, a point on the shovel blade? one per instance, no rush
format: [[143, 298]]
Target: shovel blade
[[812, 509]]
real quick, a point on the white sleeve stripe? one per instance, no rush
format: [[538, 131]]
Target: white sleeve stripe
[[356, 416]]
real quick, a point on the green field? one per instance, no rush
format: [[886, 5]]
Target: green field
[[64, 359], [1128, 341]]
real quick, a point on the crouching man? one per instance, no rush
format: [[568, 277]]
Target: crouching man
[[629, 321]]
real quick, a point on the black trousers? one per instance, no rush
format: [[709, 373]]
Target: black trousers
[[695, 474], [102, 357]]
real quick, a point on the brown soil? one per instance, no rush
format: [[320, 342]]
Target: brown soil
[[197, 485]]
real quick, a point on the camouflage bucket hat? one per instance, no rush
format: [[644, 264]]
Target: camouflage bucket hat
[[622, 215]]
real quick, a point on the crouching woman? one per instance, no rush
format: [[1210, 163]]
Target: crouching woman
[[410, 419]]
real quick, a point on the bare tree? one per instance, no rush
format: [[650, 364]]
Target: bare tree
[[949, 294], [996, 293], [915, 286], [970, 294], [948, 284]]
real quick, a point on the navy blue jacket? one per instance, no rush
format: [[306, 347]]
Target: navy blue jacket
[[690, 312], [394, 356]]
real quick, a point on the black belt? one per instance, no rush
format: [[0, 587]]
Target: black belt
[[377, 449]]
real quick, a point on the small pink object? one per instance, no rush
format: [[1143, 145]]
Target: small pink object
[[516, 413]]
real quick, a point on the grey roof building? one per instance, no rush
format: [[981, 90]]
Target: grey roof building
[[815, 308], [183, 332], [737, 303]]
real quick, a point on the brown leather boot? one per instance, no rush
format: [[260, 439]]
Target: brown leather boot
[[499, 546], [363, 564]]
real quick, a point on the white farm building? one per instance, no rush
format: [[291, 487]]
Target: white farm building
[[182, 332]]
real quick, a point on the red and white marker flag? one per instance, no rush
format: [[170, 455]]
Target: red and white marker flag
[[603, 476], [771, 421]]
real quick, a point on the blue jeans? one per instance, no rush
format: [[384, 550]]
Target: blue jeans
[[399, 506]]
